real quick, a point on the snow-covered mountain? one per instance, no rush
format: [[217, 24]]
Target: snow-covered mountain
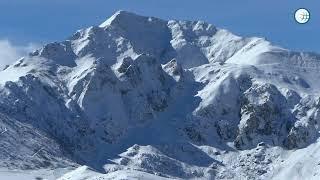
[[143, 98]]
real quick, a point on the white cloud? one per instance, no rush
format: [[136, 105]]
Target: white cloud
[[10, 53]]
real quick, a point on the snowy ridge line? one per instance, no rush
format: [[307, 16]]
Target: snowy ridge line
[[144, 98]]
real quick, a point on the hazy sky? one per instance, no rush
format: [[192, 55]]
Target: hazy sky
[[39, 21]]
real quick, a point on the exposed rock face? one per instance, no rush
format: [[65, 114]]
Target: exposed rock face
[[178, 99], [264, 114]]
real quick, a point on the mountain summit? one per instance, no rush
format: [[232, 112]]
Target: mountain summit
[[141, 97]]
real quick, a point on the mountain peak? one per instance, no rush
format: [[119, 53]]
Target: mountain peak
[[202, 95], [121, 17]]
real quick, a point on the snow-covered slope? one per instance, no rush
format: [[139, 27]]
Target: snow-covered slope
[[143, 98]]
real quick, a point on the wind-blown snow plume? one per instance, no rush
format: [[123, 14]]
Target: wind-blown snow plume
[[10, 53]]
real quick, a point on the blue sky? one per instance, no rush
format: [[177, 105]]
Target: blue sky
[[41, 21]]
